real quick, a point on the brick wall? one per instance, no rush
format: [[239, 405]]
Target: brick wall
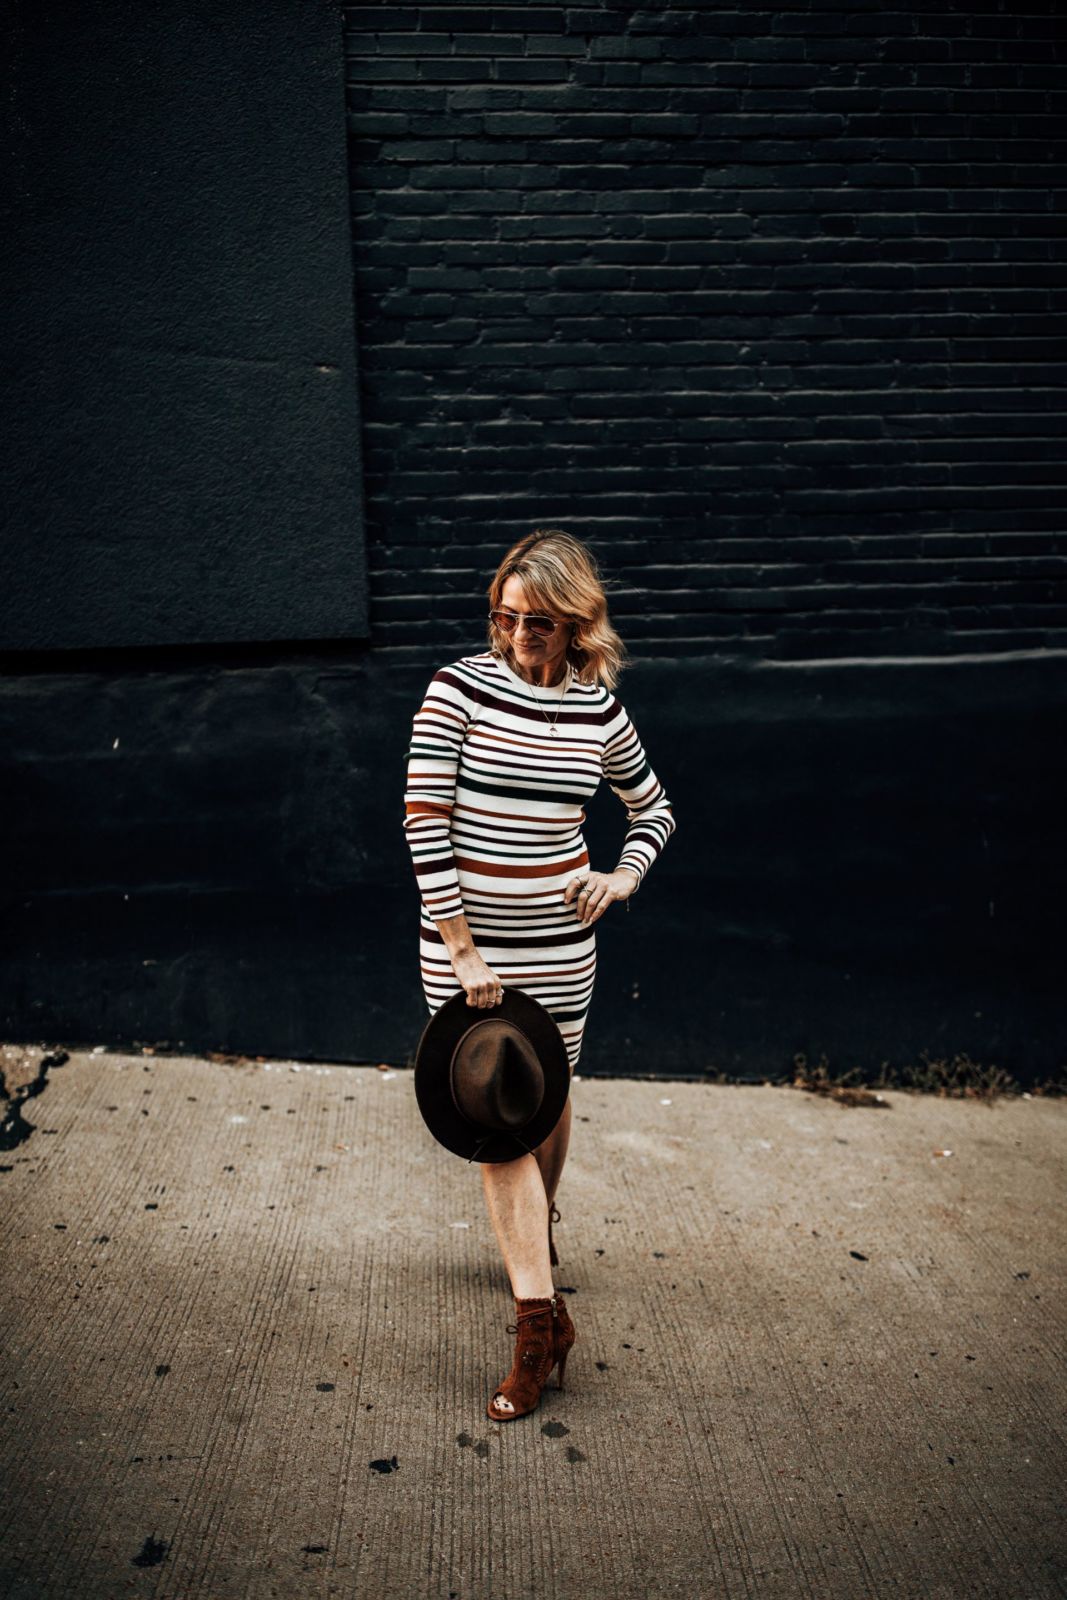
[[761, 301]]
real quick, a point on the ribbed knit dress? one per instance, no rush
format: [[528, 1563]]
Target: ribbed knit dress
[[494, 805]]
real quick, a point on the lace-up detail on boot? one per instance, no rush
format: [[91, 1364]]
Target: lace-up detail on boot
[[553, 1216]]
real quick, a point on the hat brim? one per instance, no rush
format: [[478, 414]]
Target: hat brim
[[433, 1079]]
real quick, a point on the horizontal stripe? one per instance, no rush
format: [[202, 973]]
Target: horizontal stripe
[[494, 805], [502, 869], [547, 794]]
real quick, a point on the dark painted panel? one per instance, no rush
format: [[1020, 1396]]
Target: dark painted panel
[[182, 438], [868, 862]]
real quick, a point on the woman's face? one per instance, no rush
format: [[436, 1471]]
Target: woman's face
[[530, 650]]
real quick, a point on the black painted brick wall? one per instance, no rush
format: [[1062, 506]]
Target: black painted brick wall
[[761, 301]]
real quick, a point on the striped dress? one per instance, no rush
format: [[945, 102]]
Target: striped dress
[[493, 811]]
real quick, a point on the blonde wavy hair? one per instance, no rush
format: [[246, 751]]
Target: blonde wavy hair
[[560, 576]]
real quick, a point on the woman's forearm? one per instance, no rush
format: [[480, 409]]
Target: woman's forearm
[[456, 934], [482, 986]]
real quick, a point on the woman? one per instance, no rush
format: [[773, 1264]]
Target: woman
[[506, 749]]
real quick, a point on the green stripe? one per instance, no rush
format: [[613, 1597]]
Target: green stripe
[[630, 780], [432, 750]]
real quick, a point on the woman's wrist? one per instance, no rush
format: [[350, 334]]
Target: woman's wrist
[[456, 933]]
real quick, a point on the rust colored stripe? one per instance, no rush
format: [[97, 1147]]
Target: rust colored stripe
[[436, 708], [494, 869], [531, 744]]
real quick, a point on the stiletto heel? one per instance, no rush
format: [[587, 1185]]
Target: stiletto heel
[[553, 1216], [545, 1334]]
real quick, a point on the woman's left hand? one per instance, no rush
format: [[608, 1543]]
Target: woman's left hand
[[594, 892]]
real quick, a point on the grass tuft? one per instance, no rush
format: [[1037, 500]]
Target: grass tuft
[[958, 1079]]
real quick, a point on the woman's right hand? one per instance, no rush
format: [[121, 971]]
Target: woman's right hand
[[483, 986]]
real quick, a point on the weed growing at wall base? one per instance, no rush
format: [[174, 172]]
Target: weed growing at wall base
[[961, 1078]]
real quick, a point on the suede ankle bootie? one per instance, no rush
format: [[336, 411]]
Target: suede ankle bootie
[[545, 1334]]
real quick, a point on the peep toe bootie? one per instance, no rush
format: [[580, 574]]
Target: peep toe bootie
[[545, 1334]]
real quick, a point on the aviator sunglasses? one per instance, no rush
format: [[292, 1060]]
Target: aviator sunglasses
[[508, 621]]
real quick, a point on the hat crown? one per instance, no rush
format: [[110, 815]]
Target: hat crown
[[497, 1078], [491, 1084]]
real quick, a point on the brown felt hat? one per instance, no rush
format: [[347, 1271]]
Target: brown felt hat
[[492, 1083]]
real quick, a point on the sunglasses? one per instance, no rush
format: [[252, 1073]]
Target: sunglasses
[[508, 621]]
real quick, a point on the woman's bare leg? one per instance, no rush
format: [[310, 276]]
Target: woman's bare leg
[[553, 1153], [518, 1210], [518, 1195]]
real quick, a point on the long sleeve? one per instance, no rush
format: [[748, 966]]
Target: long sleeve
[[625, 766], [437, 734]]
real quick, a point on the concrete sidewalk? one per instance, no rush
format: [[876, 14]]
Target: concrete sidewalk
[[252, 1315]]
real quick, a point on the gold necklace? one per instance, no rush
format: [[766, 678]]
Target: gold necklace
[[563, 696]]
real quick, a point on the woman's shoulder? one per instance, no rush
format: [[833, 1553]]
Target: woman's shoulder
[[594, 692], [614, 714], [607, 699], [467, 674], [475, 665]]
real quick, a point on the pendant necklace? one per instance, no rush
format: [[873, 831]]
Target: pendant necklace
[[552, 723]]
